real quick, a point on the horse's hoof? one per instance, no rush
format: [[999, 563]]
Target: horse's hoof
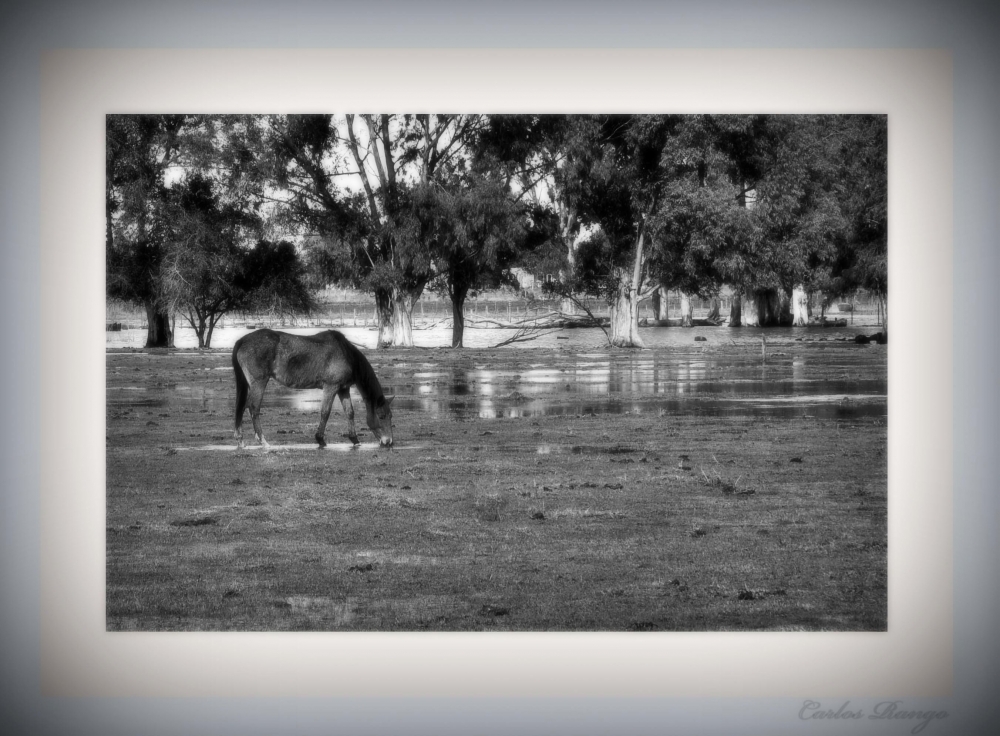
[[320, 441]]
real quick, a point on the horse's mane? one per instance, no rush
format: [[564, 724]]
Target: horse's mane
[[364, 375]]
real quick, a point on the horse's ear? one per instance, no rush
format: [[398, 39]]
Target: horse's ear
[[389, 400]]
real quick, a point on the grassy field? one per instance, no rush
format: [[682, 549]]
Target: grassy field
[[632, 521]]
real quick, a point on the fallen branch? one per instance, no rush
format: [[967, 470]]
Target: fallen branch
[[471, 322], [579, 303], [432, 325], [525, 334], [553, 319]]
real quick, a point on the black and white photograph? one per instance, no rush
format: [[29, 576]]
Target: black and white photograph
[[478, 372], [499, 368]]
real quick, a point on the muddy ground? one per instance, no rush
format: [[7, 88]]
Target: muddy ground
[[632, 503]]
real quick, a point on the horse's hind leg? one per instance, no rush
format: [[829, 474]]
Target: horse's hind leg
[[242, 389], [345, 400], [255, 398], [324, 414]]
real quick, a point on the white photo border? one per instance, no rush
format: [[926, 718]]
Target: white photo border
[[912, 659]]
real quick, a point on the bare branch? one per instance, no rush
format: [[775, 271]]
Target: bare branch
[[525, 334], [352, 144], [582, 305], [373, 137]]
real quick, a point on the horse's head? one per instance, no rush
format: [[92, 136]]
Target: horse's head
[[380, 420]]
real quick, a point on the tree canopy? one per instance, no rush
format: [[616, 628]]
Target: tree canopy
[[214, 213]]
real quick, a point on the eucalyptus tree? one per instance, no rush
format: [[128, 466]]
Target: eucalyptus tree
[[394, 154], [474, 231], [534, 154], [351, 180], [820, 208], [774, 206], [864, 262], [799, 209], [188, 217], [216, 262], [140, 149], [710, 166], [658, 191]]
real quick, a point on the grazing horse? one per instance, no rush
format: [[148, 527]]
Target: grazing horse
[[327, 360]]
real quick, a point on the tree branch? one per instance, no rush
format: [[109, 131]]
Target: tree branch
[[352, 144]]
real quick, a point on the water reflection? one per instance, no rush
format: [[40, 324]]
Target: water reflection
[[873, 407], [732, 386], [583, 384]]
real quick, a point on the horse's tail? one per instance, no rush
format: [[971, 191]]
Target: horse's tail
[[242, 386]]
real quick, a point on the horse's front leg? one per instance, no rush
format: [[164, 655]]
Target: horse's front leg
[[345, 400], [256, 397], [324, 414]]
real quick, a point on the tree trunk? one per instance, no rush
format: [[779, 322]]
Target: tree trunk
[[211, 328], [197, 321], [774, 308], [625, 320], [800, 306], [767, 308], [687, 319], [567, 305], [660, 304], [626, 295], [569, 229], [159, 333], [777, 309], [714, 307], [109, 237], [625, 304], [458, 320], [749, 310], [383, 311], [735, 312], [402, 319]]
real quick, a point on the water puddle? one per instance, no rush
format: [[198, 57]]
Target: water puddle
[[312, 446], [582, 450], [130, 401], [853, 408]]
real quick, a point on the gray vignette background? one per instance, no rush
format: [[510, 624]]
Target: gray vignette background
[[967, 28]]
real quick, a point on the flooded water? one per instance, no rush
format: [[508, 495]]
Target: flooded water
[[586, 385], [809, 372]]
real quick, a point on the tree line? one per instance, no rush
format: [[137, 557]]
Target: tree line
[[212, 214]]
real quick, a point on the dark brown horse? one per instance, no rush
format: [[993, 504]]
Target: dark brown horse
[[327, 361]]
